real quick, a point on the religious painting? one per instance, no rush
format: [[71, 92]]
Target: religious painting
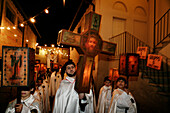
[[109, 47], [92, 21], [83, 75], [133, 64], [18, 66], [95, 23], [129, 64], [65, 54], [142, 51], [122, 65], [69, 38], [154, 61], [91, 43]]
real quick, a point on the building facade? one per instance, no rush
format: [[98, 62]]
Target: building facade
[[135, 17]]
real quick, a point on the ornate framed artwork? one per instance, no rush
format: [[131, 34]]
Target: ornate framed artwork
[[18, 66], [142, 51], [68, 38], [109, 47], [154, 61], [129, 64], [92, 21]]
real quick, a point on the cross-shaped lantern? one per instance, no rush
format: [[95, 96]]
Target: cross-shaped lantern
[[88, 45]]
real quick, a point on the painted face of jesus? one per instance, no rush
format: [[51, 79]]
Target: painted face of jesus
[[91, 44]]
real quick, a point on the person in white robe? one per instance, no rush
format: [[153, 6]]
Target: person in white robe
[[54, 82], [122, 100], [66, 98], [105, 96], [28, 103], [40, 92], [88, 102], [45, 86]]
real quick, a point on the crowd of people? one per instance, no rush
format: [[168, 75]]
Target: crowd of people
[[53, 93]]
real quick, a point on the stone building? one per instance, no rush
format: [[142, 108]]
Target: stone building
[[130, 23]]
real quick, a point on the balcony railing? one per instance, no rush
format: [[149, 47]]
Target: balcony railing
[[162, 29], [127, 43]]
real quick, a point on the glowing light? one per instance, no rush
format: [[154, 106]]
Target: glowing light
[[64, 2], [22, 25], [61, 45], [45, 45], [52, 45], [36, 44], [2, 27], [14, 27], [60, 31], [8, 28], [32, 20], [46, 11], [59, 51], [15, 35], [27, 40]]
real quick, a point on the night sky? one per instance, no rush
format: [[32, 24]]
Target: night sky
[[59, 17]]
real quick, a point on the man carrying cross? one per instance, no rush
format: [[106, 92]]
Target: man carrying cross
[[66, 98]]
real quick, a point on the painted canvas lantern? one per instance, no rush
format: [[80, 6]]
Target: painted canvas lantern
[[142, 51], [18, 66], [91, 43], [129, 64], [154, 61], [109, 47]]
